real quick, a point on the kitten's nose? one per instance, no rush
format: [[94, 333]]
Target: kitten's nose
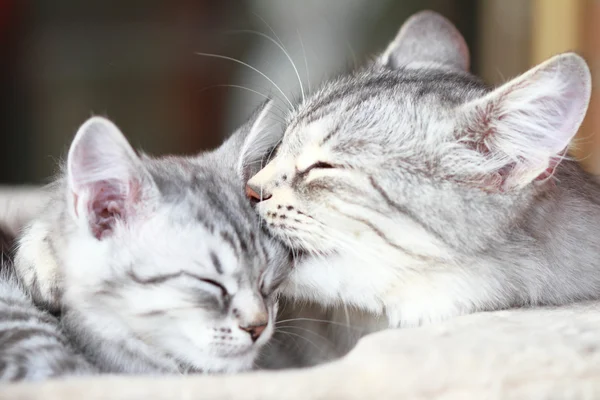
[[253, 195], [254, 330]]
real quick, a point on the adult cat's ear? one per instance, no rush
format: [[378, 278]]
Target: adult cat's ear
[[263, 136], [427, 39], [106, 178], [523, 128]]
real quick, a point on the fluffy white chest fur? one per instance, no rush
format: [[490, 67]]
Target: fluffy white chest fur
[[405, 296]]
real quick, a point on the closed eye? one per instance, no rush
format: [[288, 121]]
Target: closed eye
[[317, 165], [159, 279], [216, 284]]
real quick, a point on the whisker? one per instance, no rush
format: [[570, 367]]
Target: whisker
[[308, 331], [285, 343], [318, 320], [282, 49], [319, 348], [244, 88], [346, 313], [252, 68], [305, 61], [268, 27], [353, 53]]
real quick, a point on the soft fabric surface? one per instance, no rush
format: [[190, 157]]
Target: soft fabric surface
[[519, 354]]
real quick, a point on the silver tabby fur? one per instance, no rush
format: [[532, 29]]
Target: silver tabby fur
[[32, 345], [156, 265], [417, 193]]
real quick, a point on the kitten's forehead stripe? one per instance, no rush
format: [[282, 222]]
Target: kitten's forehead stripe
[[218, 202], [201, 218], [209, 193], [331, 133], [216, 262], [229, 239]]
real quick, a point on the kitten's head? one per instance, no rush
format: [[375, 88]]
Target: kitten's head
[[167, 251], [415, 152]]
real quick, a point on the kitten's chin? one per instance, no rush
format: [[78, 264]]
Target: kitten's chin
[[232, 364], [222, 364]]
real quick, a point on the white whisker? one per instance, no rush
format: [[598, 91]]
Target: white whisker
[[252, 68], [307, 331], [280, 46], [319, 348], [244, 88], [325, 321], [305, 61], [353, 53], [269, 27]]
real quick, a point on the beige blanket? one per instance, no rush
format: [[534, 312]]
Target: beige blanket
[[525, 354]]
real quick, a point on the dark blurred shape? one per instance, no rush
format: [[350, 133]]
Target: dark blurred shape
[[132, 61], [14, 105]]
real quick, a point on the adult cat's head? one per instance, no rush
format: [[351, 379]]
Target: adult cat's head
[[415, 132], [414, 155], [158, 262]]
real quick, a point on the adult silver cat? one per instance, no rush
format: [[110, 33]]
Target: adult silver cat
[[417, 193]]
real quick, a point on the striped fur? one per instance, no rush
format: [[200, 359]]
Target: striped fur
[[32, 346], [156, 265], [416, 193]]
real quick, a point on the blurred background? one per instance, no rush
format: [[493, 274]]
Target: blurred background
[[135, 61]]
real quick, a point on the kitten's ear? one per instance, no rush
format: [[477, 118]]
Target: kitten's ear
[[427, 38], [523, 128], [263, 136], [106, 178]]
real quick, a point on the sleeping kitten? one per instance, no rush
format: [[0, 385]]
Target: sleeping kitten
[[155, 264], [416, 193]]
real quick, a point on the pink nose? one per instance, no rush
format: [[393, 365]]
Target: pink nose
[[254, 196], [254, 330]]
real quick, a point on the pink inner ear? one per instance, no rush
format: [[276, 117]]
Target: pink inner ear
[[553, 163], [110, 202]]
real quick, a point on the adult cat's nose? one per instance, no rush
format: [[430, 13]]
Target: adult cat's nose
[[254, 330], [254, 195]]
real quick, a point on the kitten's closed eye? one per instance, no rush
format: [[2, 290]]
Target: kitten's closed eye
[[224, 292], [317, 165], [155, 280]]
